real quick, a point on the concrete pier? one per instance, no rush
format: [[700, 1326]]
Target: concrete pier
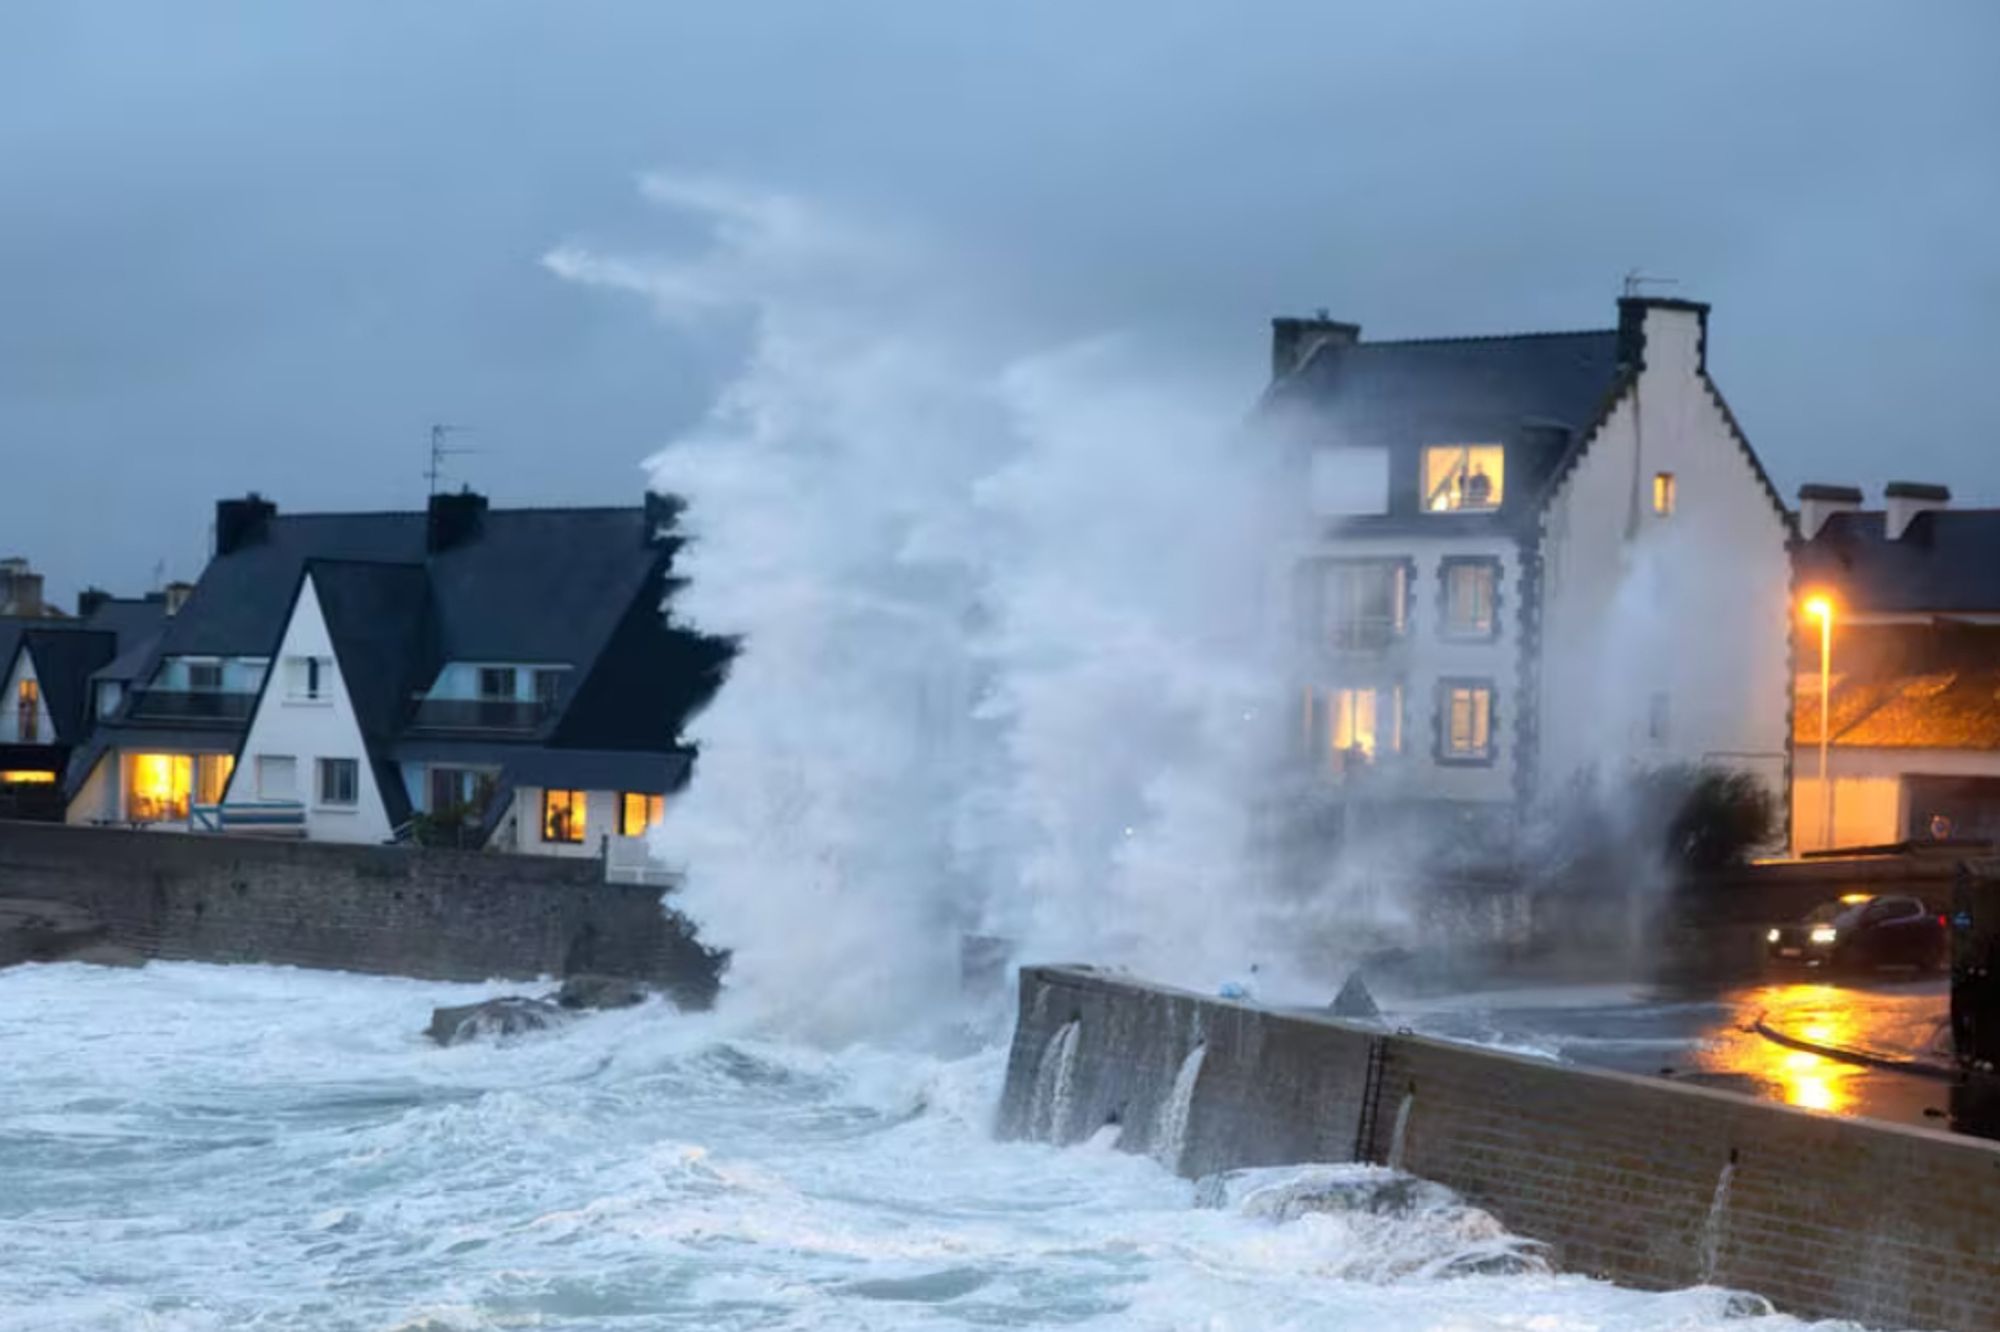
[[1621, 1176]]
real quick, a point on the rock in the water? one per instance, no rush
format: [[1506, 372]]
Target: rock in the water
[[509, 1015], [1354, 1001], [601, 992]]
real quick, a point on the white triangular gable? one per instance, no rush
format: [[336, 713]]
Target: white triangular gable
[[291, 725], [10, 717]]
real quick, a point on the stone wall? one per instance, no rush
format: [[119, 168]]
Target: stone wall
[[1890, 1226], [446, 915]]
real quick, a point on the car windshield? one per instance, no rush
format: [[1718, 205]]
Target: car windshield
[[1826, 913]]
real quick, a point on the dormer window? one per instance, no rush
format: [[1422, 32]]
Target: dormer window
[[1462, 478]]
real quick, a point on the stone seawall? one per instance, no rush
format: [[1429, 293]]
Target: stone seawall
[[1620, 1176], [443, 915]]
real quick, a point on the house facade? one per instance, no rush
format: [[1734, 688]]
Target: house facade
[[463, 675], [1913, 717], [49, 692], [1532, 560]]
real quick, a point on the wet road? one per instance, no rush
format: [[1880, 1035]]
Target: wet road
[[1706, 1035]]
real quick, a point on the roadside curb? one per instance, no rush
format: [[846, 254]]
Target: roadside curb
[[1921, 1068]]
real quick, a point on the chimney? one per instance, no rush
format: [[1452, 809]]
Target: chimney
[[20, 589], [88, 600], [1293, 341], [242, 522], [1666, 333], [1904, 500], [177, 594], [662, 513], [1817, 503], [453, 520]]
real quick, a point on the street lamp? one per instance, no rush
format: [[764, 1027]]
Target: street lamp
[[1821, 609]]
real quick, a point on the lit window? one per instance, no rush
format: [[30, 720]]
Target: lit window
[[562, 816], [1465, 721], [157, 787], [1359, 604], [339, 781], [1464, 477], [211, 777], [640, 812], [1469, 587], [26, 777], [28, 712], [277, 777], [1663, 492]]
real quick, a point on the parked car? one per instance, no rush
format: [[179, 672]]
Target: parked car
[[1864, 931]]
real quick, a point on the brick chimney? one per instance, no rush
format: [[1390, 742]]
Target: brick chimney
[[20, 589], [1818, 502], [1904, 500], [242, 522], [453, 520], [177, 594], [1293, 341]]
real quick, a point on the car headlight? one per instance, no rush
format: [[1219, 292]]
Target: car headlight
[[1772, 937], [1824, 934]]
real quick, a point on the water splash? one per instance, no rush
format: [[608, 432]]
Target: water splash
[[1170, 1133], [999, 675], [1055, 1084], [1401, 1130], [1712, 1226]]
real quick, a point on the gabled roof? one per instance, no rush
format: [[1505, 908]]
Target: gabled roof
[[1946, 562], [64, 659], [1535, 393]]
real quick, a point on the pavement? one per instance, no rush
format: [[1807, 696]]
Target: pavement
[[1875, 1046]]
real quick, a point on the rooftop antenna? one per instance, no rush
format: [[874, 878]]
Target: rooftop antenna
[[1636, 282], [440, 451]]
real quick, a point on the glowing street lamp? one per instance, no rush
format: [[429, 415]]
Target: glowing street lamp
[[1821, 608]]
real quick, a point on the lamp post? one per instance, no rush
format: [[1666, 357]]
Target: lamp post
[[1821, 609]]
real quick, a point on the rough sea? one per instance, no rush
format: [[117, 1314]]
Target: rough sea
[[195, 1147]]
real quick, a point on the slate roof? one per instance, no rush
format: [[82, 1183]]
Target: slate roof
[[69, 654], [1535, 393], [1909, 687], [1946, 562]]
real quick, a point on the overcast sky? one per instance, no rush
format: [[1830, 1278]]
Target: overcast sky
[[262, 246]]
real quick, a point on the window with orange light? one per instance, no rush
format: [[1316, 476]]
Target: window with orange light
[[26, 777], [1464, 478], [211, 777], [562, 816], [640, 812], [158, 787]]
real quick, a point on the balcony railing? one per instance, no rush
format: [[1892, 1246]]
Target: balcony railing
[[191, 707], [480, 715]]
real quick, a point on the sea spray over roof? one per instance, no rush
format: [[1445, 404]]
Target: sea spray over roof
[[1004, 664]]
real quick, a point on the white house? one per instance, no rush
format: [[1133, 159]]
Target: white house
[[1533, 557], [1914, 726], [497, 678]]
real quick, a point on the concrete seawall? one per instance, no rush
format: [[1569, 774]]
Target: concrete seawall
[[1620, 1176], [444, 915]]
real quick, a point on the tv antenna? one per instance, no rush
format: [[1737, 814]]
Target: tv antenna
[[440, 450], [1637, 281]]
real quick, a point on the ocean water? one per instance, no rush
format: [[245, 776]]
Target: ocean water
[[189, 1147]]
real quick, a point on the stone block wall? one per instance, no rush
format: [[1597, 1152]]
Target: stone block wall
[[1886, 1225], [446, 915]]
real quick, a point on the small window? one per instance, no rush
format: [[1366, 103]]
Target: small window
[[496, 682], [312, 677], [277, 777], [640, 812], [1357, 605], [205, 677], [1663, 493], [28, 712], [562, 816], [547, 685], [1464, 478], [1349, 728], [1343, 482], [308, 678], [1470, 587], [339, 781], [1465, 721]]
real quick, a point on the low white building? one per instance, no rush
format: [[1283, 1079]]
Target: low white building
[[1534, 558]]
